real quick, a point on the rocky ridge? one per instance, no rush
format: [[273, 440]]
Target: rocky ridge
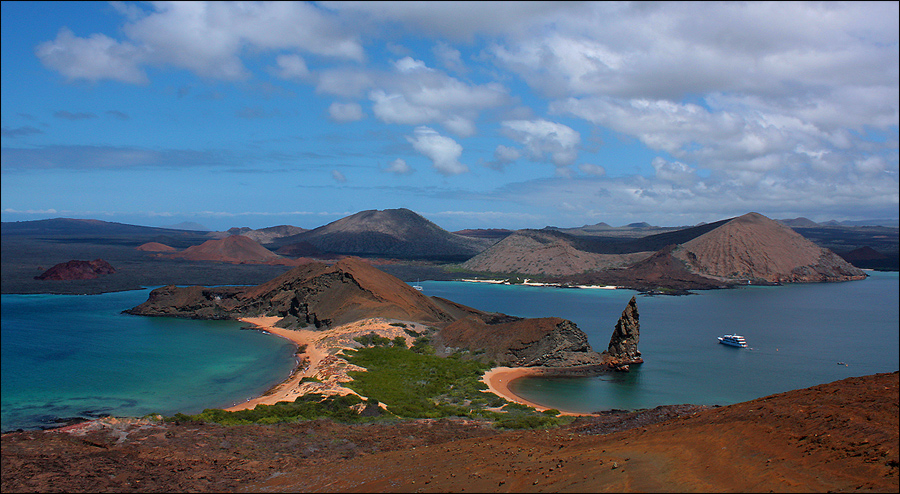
[[316, 295]]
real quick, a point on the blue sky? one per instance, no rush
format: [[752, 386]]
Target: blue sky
[[475, 115]]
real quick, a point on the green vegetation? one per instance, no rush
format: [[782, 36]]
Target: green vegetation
[[410, 382], [307, 407]]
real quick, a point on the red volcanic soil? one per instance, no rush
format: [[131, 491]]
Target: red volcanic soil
[[832, 437], [235, 248], [155, 247], [77, 270]]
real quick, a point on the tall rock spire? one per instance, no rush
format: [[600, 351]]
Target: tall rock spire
[[623, 350]]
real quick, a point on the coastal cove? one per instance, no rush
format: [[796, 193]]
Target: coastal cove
[[66, 355], [797, 334]]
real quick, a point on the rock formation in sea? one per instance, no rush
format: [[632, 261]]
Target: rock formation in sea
[[623, 345], [77, 270]]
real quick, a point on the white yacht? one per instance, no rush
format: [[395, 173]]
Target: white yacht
[[733, 340]]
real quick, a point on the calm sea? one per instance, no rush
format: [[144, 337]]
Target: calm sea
[[797, 335], [79, 356], [65, 356]]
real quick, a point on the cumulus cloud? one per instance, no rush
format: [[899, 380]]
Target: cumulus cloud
[[399, 167], [503, 155], [207, 38], [93, 58], [443, 151], [345, 112], [421, 95], [541, 137]]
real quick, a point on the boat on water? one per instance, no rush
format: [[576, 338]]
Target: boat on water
[[417, 286], [733, 340]]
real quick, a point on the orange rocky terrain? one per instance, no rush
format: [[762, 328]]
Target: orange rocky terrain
[[841, 436]]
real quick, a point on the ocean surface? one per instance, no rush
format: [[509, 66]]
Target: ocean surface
[[797, 335], [78, 355]]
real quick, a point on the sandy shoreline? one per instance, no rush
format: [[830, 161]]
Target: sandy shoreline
[[316, 361], [287, 390], [498, 380]]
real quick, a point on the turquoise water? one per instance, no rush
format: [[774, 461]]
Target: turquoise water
[[78, 355], [797, 335]]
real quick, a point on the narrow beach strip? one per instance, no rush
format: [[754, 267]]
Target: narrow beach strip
[[287, 390], [498, 380]]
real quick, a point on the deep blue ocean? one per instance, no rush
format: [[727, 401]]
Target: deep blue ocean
[[78, 355]]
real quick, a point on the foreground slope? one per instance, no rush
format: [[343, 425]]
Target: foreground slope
[[840, 436]]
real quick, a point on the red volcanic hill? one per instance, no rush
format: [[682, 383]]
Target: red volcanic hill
[[322, 296], [235, 248], [77, 270], [754, 247], [155, 247]]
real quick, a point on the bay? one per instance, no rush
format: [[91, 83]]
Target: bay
[[797, 335], [79, 356]]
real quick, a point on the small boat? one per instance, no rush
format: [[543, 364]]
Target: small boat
[[733, 340], [417, 286]]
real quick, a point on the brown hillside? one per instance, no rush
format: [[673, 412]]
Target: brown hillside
[[754, 247], [155, 247], [234, 248], [834, 437], [541, 252]]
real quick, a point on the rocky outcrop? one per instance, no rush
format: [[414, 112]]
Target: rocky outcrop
[[77, 270], [543, 342], [623, 345], [314, 294]]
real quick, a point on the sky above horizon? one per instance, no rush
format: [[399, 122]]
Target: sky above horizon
[[475, 115]]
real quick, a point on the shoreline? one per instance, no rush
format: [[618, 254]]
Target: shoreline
[[498, 380], [286, 390]]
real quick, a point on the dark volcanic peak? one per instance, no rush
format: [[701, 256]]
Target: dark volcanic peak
[[798, 222], [390, 233], [72, 226]]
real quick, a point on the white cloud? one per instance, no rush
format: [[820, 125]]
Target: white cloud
[[345, 112], [207, 38], [338, 176], [443, 151], [542, 137], [408, 64], [399, 167], [291, 67], [94, 58]]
